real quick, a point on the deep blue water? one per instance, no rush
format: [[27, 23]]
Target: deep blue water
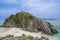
[[55, 23]]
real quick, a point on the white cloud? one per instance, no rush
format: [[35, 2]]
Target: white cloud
[[39, 6], [36, 5]]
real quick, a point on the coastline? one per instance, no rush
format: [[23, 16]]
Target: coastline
[[19, 32]]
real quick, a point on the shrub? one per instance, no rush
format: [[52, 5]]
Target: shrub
[[18, 26], [8, 36], [30, 17], [23, 35], [29, 37]]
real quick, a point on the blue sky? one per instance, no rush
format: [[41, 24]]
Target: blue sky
[[40, 8]]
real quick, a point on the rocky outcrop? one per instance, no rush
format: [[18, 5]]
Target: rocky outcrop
[[29, 23], [44, 38]]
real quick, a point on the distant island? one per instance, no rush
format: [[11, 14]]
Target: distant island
[[47, 19]]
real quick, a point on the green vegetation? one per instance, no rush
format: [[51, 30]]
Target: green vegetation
[[23, 35], [23, 16], [29, 37], [18, 26], [26, 15], [11, 16], [8, 36]]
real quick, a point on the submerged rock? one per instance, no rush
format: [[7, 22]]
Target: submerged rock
[[30, 23]]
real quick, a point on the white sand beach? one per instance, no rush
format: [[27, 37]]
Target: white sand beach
[[19, 32]]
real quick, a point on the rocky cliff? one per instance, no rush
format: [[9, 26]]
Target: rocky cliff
[[29, 23]]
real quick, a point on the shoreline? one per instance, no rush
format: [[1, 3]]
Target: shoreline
[[19, 32]]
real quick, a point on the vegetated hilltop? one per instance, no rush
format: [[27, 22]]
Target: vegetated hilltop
[[29, 23]]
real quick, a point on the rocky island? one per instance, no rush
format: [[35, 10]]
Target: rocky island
[[28, 22], [25, 26]]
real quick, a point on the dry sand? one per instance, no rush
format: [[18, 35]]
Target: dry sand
[[19, 32]]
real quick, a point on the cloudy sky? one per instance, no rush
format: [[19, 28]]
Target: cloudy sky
[[40, 8]]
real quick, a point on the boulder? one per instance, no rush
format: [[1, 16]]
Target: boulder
[[44, 38]]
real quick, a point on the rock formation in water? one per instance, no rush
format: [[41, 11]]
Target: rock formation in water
[[30, 23]]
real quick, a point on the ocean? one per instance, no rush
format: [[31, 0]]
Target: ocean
[[1, 22], [55, 23]]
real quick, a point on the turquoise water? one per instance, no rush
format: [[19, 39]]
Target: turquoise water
[[1, 22], [55, 23], [57, 36]]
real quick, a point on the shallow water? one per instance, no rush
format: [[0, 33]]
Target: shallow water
[[57, 36], [56, 24], [1, 22]]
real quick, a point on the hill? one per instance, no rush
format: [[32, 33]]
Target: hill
[[30, 23]]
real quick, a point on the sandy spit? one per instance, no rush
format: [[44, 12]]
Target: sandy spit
[[19, 32]]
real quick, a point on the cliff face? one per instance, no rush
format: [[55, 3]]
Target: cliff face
[[29, 23]]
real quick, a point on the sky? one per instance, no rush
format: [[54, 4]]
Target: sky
[[40, 8]]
